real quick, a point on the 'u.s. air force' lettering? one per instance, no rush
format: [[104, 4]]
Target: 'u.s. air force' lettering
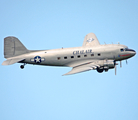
[[82, 52], [37, 59]]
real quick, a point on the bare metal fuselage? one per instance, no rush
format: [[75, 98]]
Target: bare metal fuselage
[[91, 56], [56, 57]]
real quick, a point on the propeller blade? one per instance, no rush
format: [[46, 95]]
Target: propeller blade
[[120, 64], [115, 69], [115, 64], [126, 61]]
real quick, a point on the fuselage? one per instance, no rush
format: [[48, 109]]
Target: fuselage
[[91, 56], [73, 56]]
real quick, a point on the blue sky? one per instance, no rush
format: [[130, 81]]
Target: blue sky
[[39, 92]]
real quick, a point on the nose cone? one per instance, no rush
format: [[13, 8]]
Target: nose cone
[[134, 52]]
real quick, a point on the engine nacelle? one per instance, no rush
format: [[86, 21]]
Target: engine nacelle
[[109, 64], [105, 65]]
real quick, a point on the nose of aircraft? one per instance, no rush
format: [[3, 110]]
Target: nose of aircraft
[[133, 52]]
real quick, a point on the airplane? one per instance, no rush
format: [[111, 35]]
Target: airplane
[[90, 56]]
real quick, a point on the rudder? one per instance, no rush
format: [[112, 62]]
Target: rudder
[[13, 47]]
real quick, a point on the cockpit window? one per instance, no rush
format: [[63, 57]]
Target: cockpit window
[[126, 49], [122, 50]]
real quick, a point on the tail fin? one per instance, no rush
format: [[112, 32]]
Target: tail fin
[[13, 47], [90, 40]]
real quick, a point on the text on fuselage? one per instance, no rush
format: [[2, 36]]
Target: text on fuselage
[[82, 52]]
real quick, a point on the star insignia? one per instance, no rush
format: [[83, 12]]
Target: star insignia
[[37, 59]]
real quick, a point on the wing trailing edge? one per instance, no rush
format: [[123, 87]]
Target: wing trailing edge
[[78, 70], [83, 67]]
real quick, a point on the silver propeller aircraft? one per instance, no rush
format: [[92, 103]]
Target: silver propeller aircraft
[[91, 56]]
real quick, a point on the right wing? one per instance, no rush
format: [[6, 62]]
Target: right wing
[[12, 61], [82, 68]]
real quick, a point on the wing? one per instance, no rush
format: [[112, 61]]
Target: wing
[[12, 61], [90, 40], [83, 67]]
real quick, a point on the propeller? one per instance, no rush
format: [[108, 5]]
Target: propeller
[[115, 69], [126, 62], [120, 63], [115, 65]]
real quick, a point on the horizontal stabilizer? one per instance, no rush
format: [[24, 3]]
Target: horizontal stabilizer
[[12, 61]]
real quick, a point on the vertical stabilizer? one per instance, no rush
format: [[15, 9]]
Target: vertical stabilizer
[[13, 47], [90, 40]]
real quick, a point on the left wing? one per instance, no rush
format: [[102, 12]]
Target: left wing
[[82, 68]]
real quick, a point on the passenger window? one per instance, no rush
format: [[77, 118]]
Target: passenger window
[[85, 55], [121, 50], [92, 54], [65, 57], [58, 58], [72, 56], [99, 54], [78, 56]]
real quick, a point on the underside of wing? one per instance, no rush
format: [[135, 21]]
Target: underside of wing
[[78, 70], [90, 40], [83, 68], [12, 61]]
